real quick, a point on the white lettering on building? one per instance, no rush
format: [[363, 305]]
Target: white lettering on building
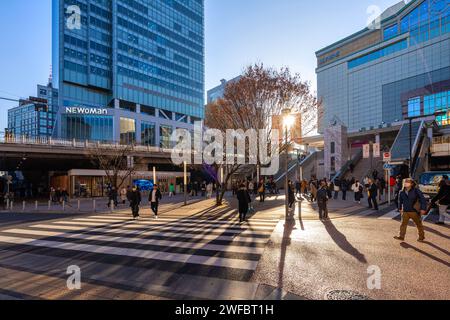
[[86, 111]]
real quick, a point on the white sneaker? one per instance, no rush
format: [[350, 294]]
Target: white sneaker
[[156, 217]]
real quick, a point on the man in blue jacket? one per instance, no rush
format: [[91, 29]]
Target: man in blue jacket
[[412, 205]]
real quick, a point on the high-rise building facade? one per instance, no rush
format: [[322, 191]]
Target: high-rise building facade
[[35, 117], [128, 71], [397, 68], [217, 93]]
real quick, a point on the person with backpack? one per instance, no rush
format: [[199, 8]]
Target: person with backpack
[[322, 199], [442, 199], [412, 206], [154, 199], [244, 201]]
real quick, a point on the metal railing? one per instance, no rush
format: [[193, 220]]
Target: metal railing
[[341, 173], [77, 144]]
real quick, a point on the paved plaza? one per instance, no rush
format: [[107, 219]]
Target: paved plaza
[[200, 251]]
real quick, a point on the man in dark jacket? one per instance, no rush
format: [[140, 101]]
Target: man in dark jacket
[[442, 199], [244, 200], [135, 201], [322, 199], [291, 194], [372, 195], [412, 206], [154, 198]]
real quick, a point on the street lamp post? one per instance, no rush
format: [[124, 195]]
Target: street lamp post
[[288, 121], [185, 183]]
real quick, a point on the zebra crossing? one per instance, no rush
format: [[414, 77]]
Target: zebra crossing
[[213, 247]]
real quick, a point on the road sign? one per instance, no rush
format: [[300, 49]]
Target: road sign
[[388, 166], [387, 156]]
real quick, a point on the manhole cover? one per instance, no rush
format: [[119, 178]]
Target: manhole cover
[[345, 295]]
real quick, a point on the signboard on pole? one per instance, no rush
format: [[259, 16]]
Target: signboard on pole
[[387, 157], [366, 151], [376, 150]]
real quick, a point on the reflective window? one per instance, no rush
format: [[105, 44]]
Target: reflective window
[[165, 135], [91, 128], [390, 32], [414, 109], [148, 134], [127, 131], [398, 46]]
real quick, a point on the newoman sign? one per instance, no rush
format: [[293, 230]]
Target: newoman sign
[[86, 111]]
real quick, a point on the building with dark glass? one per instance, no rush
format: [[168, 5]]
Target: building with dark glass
[[396, 68], [131, 71], [35, 117]]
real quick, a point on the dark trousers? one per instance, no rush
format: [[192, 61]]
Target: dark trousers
[[135, 210], [336, 195], [242, 216], [262, 197], [154, 206], [323, 210], [344, 195], [373, 202]]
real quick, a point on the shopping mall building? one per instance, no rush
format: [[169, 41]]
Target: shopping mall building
[[130, 71], [397, 67]]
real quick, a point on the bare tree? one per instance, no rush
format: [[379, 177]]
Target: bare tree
[[250, 103], [114, 160]]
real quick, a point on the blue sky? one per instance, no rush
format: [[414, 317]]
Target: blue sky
[[238, 32]]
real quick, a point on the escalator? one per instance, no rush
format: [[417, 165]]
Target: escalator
[[307, 164], [411, 140]]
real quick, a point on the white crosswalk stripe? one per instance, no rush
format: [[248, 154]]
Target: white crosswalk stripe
[[192, 241]]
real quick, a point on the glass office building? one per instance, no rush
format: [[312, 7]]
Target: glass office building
[[390, 71], [32, 120], [128, 71]]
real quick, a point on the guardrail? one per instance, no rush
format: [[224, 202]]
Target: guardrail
[[48, 141]]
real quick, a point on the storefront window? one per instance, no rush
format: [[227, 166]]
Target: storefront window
[[127, 131]]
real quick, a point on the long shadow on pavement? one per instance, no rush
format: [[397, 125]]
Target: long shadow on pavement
[[341, 240]]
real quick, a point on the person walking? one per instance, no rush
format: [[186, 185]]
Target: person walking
[[291, 194], [209, 190], [372, 195], [337, 187], [171, 190], [251, 187], [203, 188], [244, 200], [2, 201], [154, 199], [358, 189], [135, 202], [313, 186], [123, 195], [322, 199], [397, 189], [412, 206], [262, 191], [344, 189], [298, 188], [443, 200]]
